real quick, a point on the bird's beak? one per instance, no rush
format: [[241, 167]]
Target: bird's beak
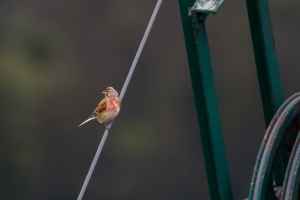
[[103, 92]]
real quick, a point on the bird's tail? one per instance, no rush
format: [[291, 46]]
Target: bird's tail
[[87, 120]]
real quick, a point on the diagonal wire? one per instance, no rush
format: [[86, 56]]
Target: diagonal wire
[[124, 88], [140, 49]]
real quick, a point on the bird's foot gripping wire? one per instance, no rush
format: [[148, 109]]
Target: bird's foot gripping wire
[[107, 128]]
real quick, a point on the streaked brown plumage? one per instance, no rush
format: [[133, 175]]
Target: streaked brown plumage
[[107, 109]]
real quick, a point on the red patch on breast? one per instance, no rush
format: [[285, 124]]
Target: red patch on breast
[[114, 104]]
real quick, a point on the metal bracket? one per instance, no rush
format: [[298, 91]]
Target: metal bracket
[[207, 6]]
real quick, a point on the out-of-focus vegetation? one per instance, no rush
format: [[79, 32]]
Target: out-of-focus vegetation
[[57, 56]]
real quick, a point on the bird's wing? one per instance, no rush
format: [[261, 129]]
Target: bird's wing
[[100, 108]]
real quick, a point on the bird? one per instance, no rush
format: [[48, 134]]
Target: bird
[[107, 109]]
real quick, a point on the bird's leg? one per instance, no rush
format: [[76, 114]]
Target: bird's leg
[[107, 128]]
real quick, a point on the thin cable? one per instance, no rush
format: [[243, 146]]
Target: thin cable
[[125, 85], [92, 167], [140, 49]]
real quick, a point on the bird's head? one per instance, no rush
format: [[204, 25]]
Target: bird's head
[[110, 92]]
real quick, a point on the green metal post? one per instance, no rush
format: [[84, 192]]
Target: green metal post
[[265, 56], [206, 101], [267, 67]]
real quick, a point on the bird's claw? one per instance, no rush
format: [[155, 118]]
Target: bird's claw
[[107, 128]]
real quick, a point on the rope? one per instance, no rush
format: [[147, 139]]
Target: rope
[[291, 186], [124, 88], [265, 140], [272, 145], [268, 150], [288, 168]]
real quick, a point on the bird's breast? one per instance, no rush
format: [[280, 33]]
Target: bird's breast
[[114, 105]]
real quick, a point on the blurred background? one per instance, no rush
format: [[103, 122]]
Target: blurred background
[[57, 56]]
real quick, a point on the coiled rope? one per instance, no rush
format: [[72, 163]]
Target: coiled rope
[[269, 152], [124, 88], [265, 141], [274, 135], [291, 184]]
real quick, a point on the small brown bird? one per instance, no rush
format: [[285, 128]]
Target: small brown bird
[[107, 109]]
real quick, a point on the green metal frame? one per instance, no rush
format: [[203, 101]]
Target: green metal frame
[[193, 20], [206, 101], [265, 56], [267, 68]]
